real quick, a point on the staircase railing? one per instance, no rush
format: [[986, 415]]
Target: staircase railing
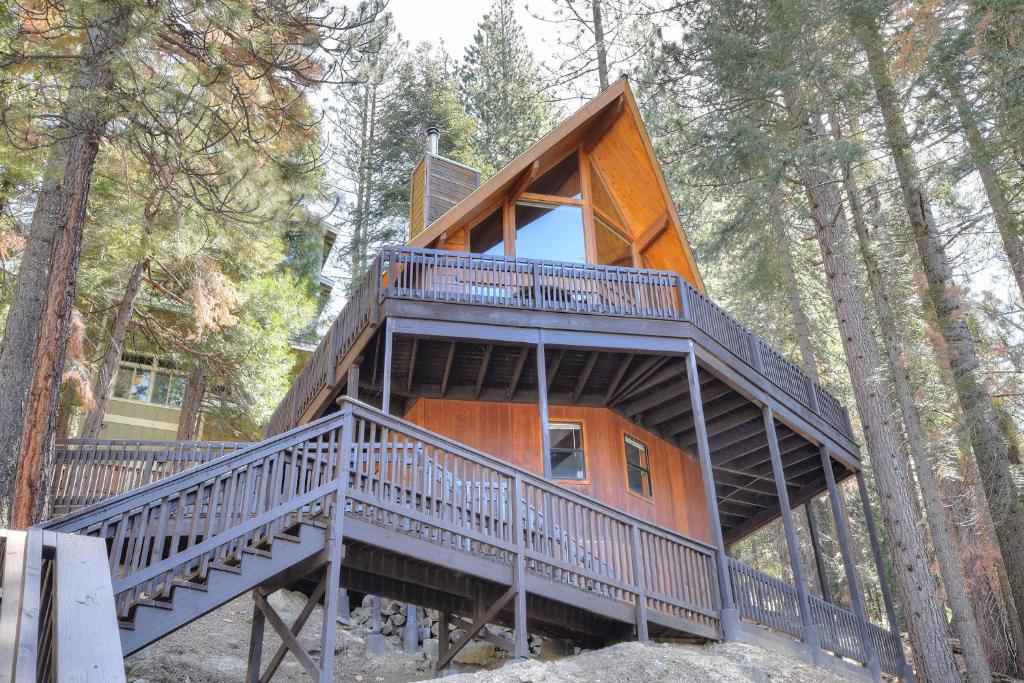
[[86, 471], [175, 528], [404, 479], [768, 601]]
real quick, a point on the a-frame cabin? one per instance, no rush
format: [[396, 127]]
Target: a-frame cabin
[[531, 415]]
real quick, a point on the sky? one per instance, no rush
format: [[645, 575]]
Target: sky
[[454, 23]]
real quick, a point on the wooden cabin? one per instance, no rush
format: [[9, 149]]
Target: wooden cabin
[[531, 414]]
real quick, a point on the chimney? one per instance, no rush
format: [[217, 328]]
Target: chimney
[[437, 185]]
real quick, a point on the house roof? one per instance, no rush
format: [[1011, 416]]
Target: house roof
[[586, 126]]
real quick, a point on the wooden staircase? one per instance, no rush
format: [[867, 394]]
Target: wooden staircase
[[365, 500]]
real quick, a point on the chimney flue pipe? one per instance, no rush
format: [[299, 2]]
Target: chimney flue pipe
[[433, 133]]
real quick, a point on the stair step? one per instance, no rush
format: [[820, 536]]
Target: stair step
[[149, 602], [257, 551], [192, 585], [127, 625], [231, 568], [292, 538]]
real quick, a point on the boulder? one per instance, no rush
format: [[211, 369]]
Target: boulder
[[478, 652]]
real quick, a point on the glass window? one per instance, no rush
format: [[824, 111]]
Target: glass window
[[563, 180], [123, 383], [567, 450], [613, 249], [176, 391], [141, 381], [550, 232], [638, 468], [487, 236], [161, 382]]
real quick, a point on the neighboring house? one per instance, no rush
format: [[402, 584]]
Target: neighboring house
[[531, 415], [148, 390]]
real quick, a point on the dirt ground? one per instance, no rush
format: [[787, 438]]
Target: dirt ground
[[215, 647]]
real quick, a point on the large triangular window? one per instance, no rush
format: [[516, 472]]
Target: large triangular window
[[562, 180]]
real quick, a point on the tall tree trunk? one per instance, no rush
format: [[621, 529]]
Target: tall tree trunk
[[35, 335], [927, 624], [964, 621], [599, 45], [1002, 213], [192, 404], [990, 450], [810, 365], [112, 354]]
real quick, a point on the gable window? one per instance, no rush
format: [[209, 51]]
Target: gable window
[[567, 461], [563, 180], [638, 467], [553, 232]]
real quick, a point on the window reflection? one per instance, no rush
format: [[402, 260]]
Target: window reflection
[[563, 180], [550, 232], [613, 249], [487, 236]]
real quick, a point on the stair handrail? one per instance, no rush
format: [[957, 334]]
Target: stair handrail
[[83, 518]]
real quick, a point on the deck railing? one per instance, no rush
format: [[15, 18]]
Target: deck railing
[[533, 284], [87, 471], [771, 602], [404, 479]]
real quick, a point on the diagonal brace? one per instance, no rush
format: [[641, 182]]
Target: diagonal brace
[[478, 623], [287, 634]]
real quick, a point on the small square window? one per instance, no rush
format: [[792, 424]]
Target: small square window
[[567, 461], [638, 468]]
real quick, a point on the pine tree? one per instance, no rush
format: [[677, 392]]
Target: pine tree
[[502, 89]]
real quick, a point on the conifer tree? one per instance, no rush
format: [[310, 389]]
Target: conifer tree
[[502, 89]]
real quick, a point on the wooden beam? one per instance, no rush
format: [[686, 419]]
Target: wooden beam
[[581, 383], [412, 363], [518, 371], [553, 370], [447, 368], [765, 518], [524, 180], [652, 232], [648, 367], [617, 377], [484, 363], [607, 118]]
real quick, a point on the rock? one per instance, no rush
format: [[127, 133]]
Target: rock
[[556, 647], [398, 619], [387, 628], [287, 603], [430, 648], [456, 634], [368, 601], [478, 652]]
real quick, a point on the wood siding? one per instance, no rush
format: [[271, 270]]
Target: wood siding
[[416, 203], [511, 431]]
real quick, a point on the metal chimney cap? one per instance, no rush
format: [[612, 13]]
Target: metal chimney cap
[[433, 133]]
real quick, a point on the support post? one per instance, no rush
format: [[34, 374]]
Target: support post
[[252, 669], [335, 547], [819, 561], [542, 403], [521, 644], [846, 548], [811, 636], [729, 616], [389, 343], [352, 382], [876, 551], [411, 632]]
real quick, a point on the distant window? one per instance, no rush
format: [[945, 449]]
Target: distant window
[[143, 379], [551, 232], [638, 468], [567, 460]]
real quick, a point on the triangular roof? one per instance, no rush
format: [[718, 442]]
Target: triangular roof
[[611, 128]]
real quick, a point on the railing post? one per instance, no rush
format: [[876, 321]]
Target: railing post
[[684, 298], [846, 549], [755, 352], [811, 636], [538, 297], [389, 342], [812, 395], [728, 615], [521, 645], [641, 588]]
